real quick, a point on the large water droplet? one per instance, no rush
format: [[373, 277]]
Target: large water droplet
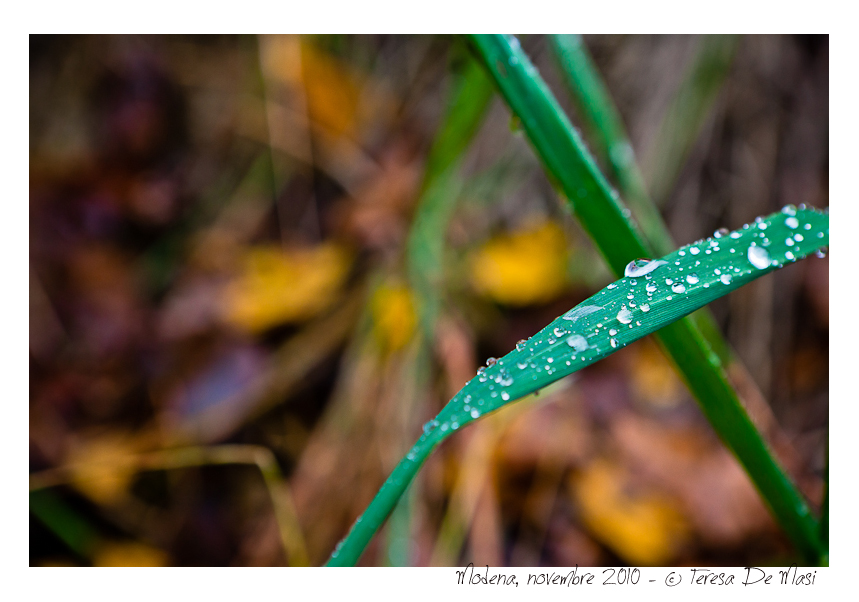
[[505, 395], [694, 250], [577, 342], [678, 288], [692, 278], [612, 332], [581, 311], [791, 222], [520, 344], [720, 233], [475, 413], [758, 257], [651, 287], [613, 342], [624, 316], [645, 307], [640, 267], [788, 241], [725, 278], [491, 361]]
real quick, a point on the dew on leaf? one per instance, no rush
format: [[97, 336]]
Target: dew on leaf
[[640, 267], [758, 257]]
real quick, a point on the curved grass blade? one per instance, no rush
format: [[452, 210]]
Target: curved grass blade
[[651, 297], [603, 216]]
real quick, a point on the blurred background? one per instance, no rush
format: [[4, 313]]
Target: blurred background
[[228, 355]]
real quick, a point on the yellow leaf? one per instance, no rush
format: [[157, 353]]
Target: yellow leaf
[[277, 287], [330, 88], [523, 268], [393, 315], [102, 467], [129, 554], [642, 528]]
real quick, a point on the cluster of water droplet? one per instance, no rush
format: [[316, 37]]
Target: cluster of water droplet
[[600, 324]]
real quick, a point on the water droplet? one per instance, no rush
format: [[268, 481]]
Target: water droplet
[[624, 316], [581, 311], [725, 278], [692, 278], [682, 253], [444, 427], [650, 288], [720, 233], [788, 241], [611, 286], [630, 296], [821, 253], [551, 340], [694, 250], [520, 344], [820, 235], [791, 222], [645, 307], [505, 395], [789, 210], [798, 237], [491, 361], [678, 288], [454, 425], [559, 332], [735, 235], [669, 297], [758, 257], [577, 342], [669, 281], [612, 332], [475, 413], [522, 365], [640, 267], [614, 342], [807, 226]]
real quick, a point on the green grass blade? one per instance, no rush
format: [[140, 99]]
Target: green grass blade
[[607, 322], [469, 100], [688, 112], [601, 213]]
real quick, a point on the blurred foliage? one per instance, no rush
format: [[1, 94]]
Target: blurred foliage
[[219, 233]]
